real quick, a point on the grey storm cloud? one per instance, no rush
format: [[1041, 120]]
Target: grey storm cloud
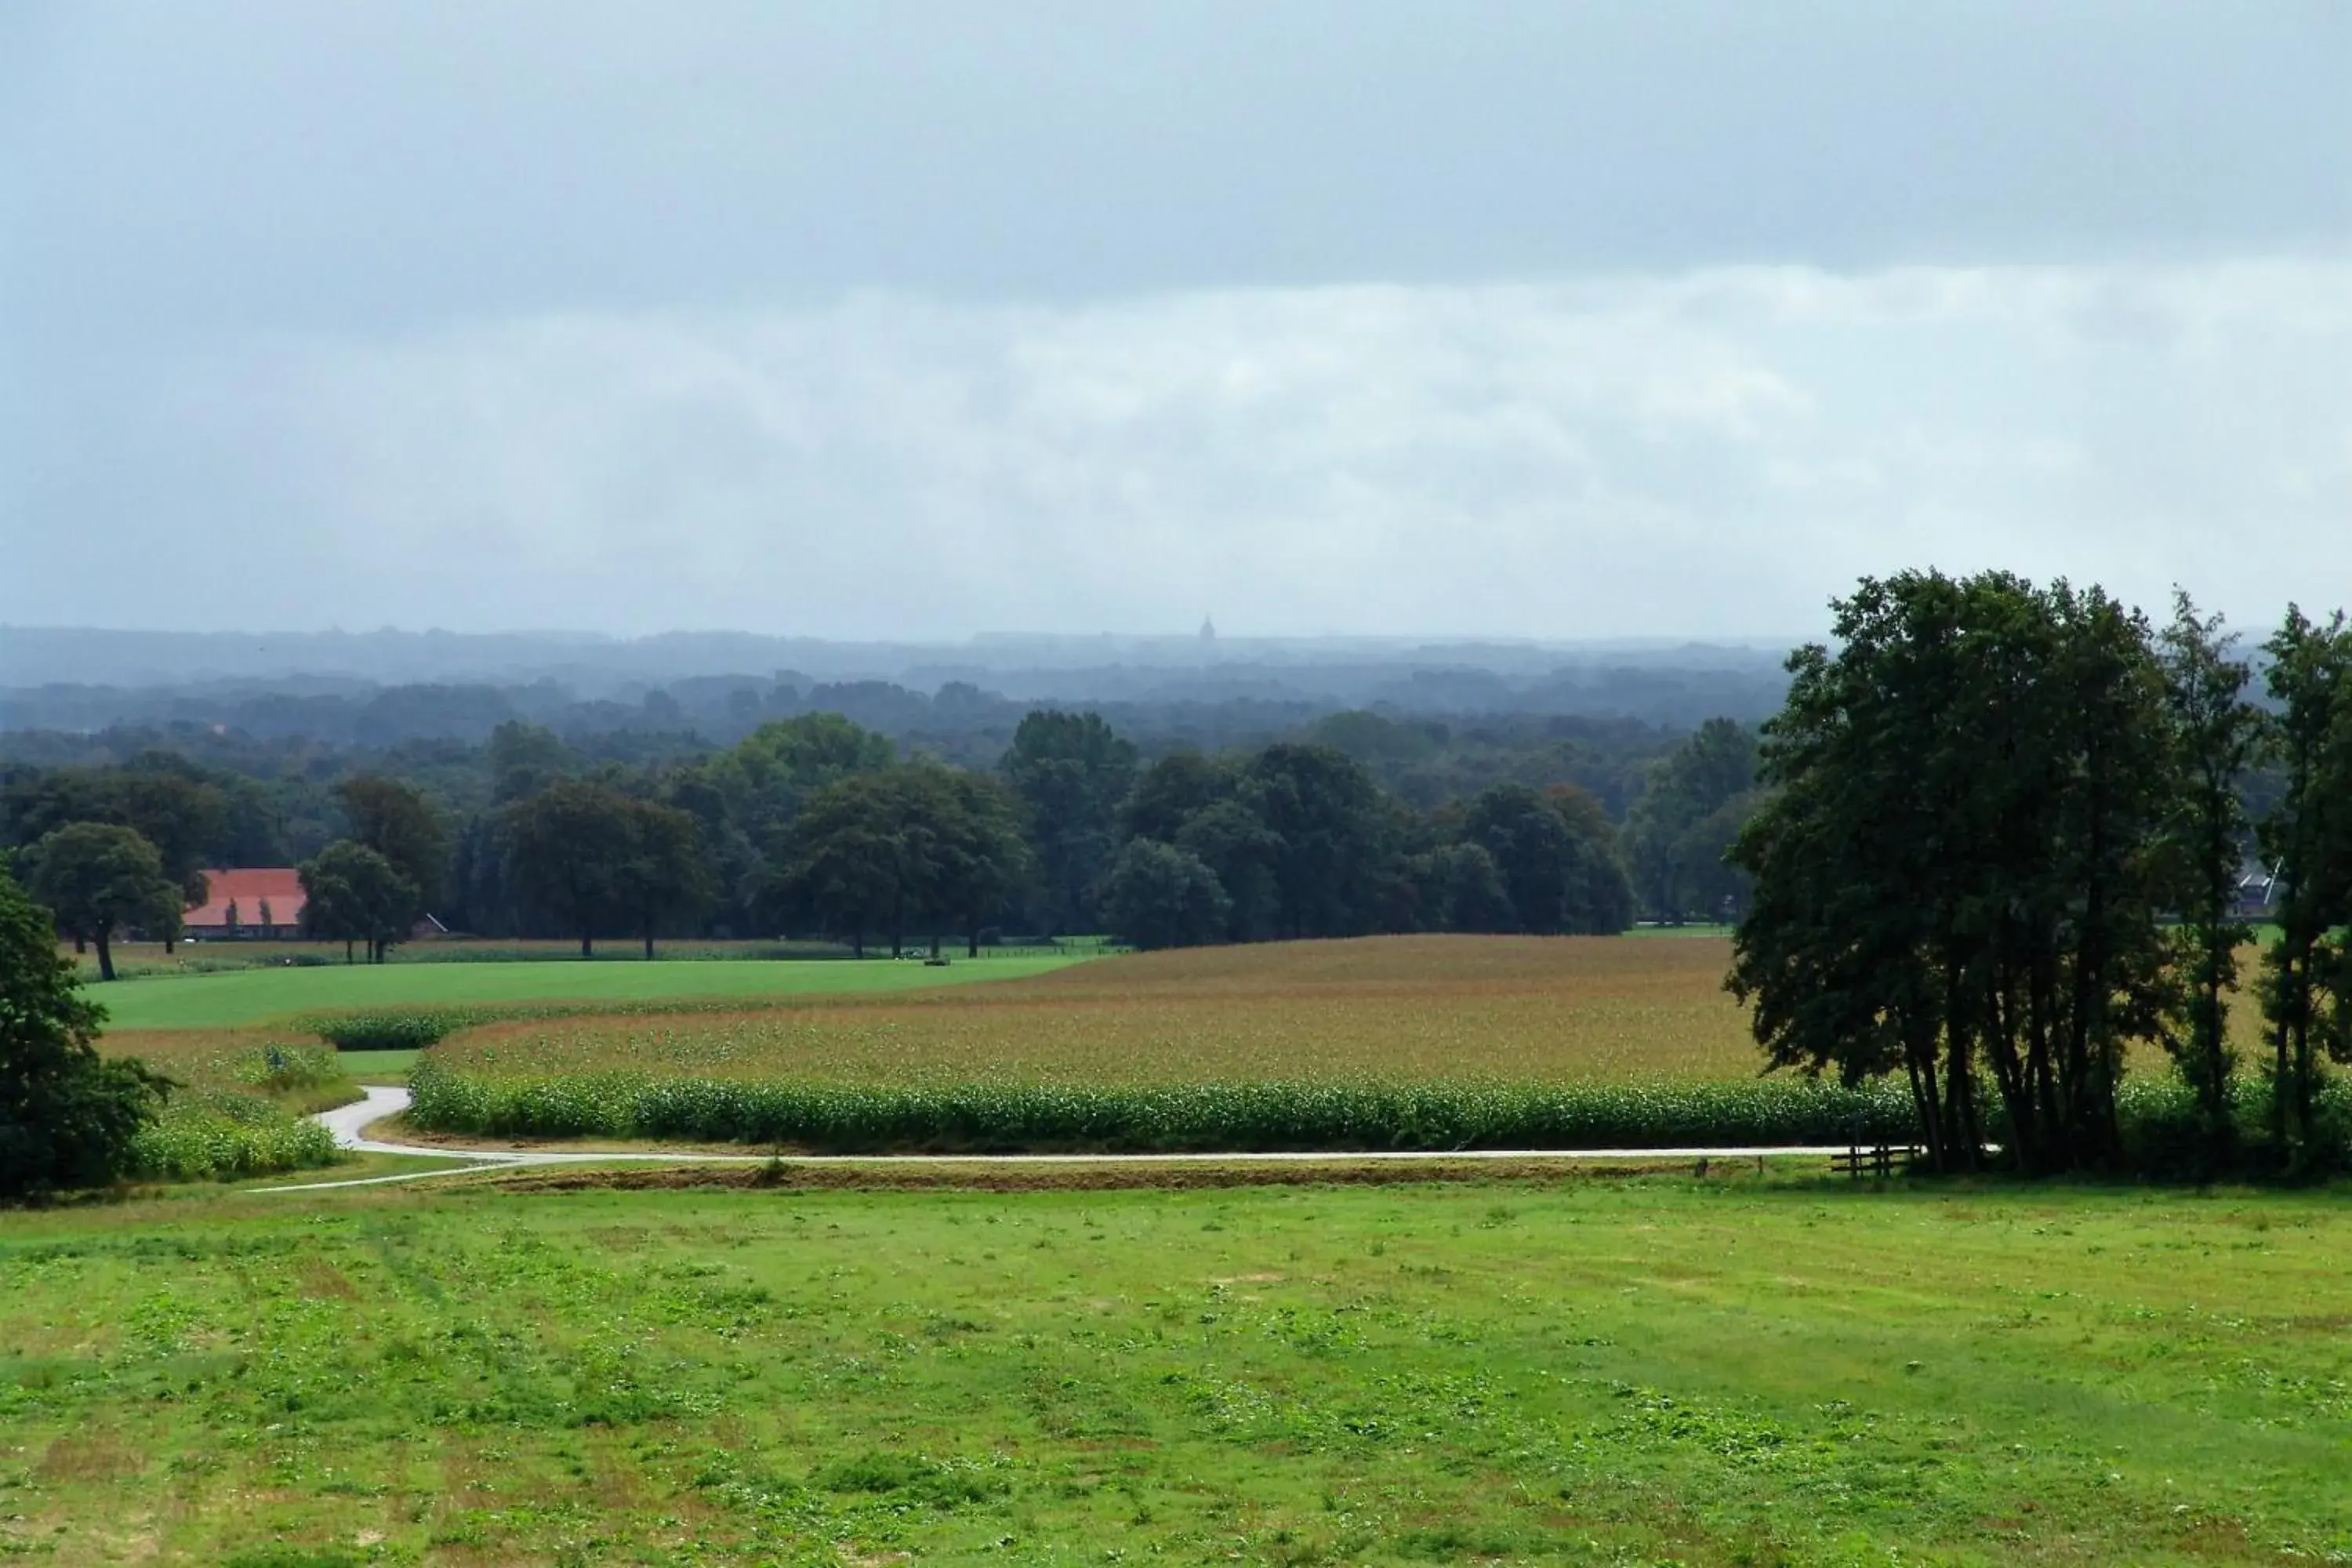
[[924, 319]]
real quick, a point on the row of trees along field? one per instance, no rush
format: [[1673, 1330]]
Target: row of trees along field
[[2002, 844], [816, 825]]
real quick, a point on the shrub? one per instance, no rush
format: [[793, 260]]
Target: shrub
[[395, 1030], [218, 1135]]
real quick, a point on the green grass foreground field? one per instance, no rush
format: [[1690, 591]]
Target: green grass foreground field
[[1638, 1370], [251, 997]]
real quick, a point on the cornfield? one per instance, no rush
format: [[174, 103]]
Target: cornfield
[[242, 1107], [210, 1135], [1232, 1116], [1384, 1043], [1387, 1043]]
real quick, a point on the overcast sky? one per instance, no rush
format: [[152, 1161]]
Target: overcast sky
[[919, 320]]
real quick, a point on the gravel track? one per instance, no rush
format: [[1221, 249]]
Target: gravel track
[[350, 1123]]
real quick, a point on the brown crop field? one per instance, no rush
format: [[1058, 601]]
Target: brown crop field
[[1522, 1009], [1385, 1042]]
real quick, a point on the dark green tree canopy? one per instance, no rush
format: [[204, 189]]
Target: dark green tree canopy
[[2216, 737], [69, 1118], [1952, 870], [570, 846], [523, 759], [665, 875], [1462, 889], [2307, 990], [1073, 773], [910, 850], [1691, 807], [1557, 857], [102, 879], [1156, 895], [1169, 792], [1329, 831], [397, 821], [181, 815], [354, 893]]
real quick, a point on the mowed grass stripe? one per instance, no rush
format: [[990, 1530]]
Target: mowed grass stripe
[[255, 997]]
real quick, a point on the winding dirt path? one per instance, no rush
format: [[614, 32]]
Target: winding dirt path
[[350, 1123]]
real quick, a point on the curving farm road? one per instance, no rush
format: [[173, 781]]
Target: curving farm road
[[350, 1123]]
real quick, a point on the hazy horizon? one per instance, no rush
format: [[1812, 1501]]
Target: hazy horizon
[[904, 322]]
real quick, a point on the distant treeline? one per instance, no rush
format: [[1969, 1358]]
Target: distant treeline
[[1357, 822], [1229, 703]]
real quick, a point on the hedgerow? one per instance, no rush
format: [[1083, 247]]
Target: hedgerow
[[396, 1029]]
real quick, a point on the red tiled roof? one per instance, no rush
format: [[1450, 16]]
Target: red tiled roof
[[279, 884]]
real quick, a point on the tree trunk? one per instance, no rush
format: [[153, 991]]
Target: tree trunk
[[105, 956], [81, 944], [972, 946], [347, 951], [587, 945], [649, 944], [169, 943]]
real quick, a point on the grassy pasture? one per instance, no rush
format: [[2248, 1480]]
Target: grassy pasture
[[252, 996], [1649, 1370]]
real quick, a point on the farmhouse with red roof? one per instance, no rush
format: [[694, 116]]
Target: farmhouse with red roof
[[252, 904]]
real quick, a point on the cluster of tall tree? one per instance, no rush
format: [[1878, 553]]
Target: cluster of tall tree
[[815, 825], [1296, 840], [2001, 841], [913, 849], [110, 850], [375, 884]]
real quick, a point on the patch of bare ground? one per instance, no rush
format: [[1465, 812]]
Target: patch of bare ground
[[321, 1281], [401, 1129], [92, 1457]]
